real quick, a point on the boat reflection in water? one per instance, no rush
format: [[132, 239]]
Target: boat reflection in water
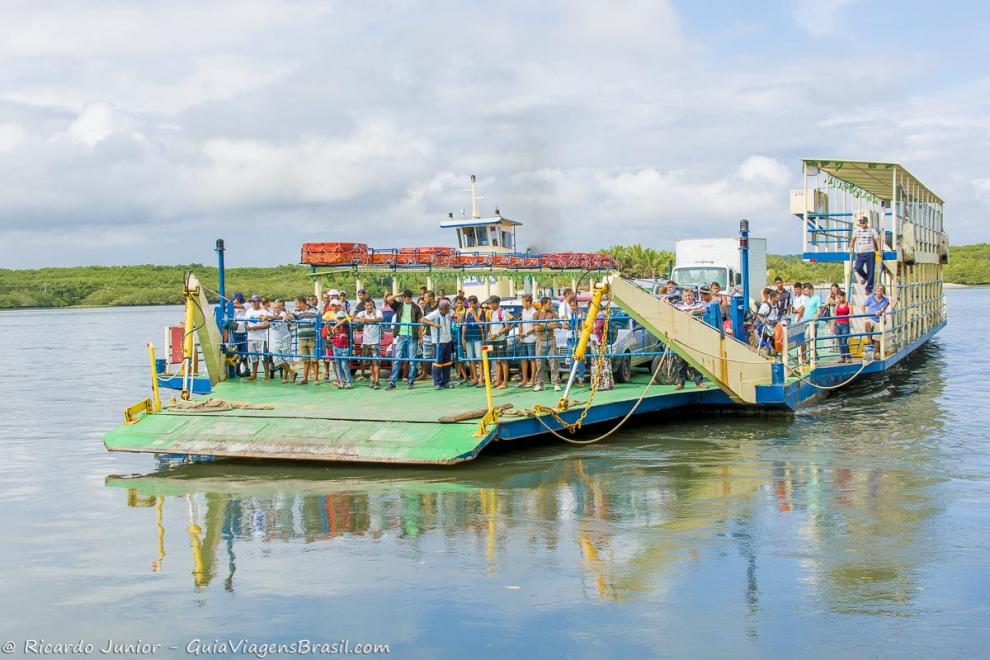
[[835, 504]]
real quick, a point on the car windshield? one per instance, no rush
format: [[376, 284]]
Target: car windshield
[[699, 275]]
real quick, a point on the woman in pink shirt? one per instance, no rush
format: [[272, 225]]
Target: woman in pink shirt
[[841, 313]]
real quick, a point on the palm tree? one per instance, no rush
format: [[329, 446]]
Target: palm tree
[[639, 261]]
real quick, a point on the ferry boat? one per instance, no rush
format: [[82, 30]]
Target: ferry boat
[[223, 415]]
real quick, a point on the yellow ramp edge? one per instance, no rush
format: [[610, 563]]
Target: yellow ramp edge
[[734, 366]]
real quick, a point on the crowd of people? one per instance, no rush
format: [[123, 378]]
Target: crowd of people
[[436, 337], [803, 305], [431, 336]]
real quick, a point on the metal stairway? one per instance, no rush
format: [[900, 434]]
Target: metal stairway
[[733, 365]]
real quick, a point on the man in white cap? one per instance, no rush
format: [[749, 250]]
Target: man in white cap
[[256, 320]]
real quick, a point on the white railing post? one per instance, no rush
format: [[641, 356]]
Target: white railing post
[[813, 334], [883, 336]]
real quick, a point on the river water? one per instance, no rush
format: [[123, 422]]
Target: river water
[[858, 527]]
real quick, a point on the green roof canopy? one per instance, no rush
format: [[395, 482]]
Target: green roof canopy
[[875, 178]]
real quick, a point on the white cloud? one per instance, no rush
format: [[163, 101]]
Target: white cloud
[[273, 123], [99, 120], [763, 169], [820, 18], [11, 135]]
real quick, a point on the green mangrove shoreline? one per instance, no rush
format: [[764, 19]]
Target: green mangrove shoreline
[[117, 286]]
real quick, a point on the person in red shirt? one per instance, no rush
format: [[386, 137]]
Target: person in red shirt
[[841, 313], [342, 351]]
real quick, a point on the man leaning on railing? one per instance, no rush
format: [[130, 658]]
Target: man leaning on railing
[[405, 338]]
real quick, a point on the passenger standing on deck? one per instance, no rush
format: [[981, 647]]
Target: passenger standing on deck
[[405, 338], [387, 307], [713, 309], [266, 308], [683, 369], [720, 298], [441, 322], [457, 314], [526, 343], [497, 335], [345, 304], [810, 304], [564, 306], [784, 299], [546, 346], [239, 331], [876, 305], [342, 350], [371, 338], [305, 317], [471, 336], [429, 306], [257, 329], [841, 313], [866, 244], [281, 341], [797, 301], [329, 318], [828, 308]]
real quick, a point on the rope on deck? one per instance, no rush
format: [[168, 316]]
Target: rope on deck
[[216, 405]]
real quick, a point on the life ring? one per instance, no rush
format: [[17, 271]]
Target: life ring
[[778, 337]]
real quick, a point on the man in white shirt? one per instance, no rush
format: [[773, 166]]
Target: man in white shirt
[[564, 306], [370, 319], [866, 245], [527, 343], [280, 340], [684, 370], [443, 339], [257, 328]]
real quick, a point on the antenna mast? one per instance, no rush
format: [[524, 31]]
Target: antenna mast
[[474, 197]]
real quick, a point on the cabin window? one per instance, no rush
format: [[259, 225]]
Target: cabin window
[[507, 239], [482, 233], [468, 237], [494, 236]]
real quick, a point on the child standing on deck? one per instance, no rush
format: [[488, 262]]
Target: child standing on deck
[[342, 351], [841, 313]]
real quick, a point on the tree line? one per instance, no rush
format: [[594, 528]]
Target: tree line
[[161, 285]]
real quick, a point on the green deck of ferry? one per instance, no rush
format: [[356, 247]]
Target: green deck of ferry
[[319, 422]]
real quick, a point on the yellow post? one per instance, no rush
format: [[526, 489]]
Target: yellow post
[[491, 417], [577, 357], [486, 365], [589, 321], [187, 347], [154, 378]]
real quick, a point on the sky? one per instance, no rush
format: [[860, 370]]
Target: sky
[[139, 132]]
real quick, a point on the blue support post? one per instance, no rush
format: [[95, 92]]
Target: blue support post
[[222, 288], [738, 318], [740, 304], [777, 373], [744, 259]]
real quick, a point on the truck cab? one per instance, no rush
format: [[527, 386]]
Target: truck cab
[[704, 275]]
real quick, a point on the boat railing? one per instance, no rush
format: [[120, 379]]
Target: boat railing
[[817, 342], [557, 340]]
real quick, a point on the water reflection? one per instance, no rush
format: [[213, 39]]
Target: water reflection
[[838, 502]]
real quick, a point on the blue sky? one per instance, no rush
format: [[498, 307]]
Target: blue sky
[[139, 132]]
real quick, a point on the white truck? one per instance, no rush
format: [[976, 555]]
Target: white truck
[[701, 261]]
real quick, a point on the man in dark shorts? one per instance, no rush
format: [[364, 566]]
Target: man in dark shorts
[[497, 335]]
